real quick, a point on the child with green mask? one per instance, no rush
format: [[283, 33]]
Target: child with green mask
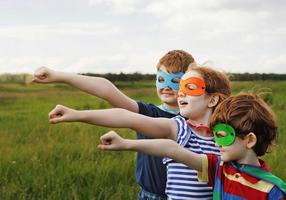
[[244, 127]]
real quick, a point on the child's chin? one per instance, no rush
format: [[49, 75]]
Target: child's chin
[[225, 158], [169, 100], [184, 115], [169, 97]]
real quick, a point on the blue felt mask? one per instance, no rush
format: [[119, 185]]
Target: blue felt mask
[[164, 80]]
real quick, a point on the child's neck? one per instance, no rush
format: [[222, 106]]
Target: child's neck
[[204, 119], [250, 158], [171, 106]]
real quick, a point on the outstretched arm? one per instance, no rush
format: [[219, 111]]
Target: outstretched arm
[[117, 118], [156, 147], [97, 86]]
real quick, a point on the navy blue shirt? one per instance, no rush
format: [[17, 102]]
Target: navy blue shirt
[[150, 171]]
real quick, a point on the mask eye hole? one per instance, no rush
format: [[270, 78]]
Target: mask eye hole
[[176, 80], [161, 79], [221, 134], [191, 86]]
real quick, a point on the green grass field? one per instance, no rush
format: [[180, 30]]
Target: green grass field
[[43, 161]]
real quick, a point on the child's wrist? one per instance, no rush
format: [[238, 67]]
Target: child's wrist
[[79, 116], [129, 145], [61, 77]]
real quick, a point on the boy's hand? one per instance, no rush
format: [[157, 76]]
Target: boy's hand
[[45, 75], [62, 114], [112, 141]]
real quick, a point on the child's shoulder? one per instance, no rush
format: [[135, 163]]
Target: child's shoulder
[[152, 110], [182, 124]]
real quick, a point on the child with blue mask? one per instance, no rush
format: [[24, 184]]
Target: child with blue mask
[[164, 80], [167, 85], [150, 171]]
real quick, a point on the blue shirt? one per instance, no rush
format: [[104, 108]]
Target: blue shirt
[[150, 170]]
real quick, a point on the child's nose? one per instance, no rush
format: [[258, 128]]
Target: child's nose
[[181, 94]]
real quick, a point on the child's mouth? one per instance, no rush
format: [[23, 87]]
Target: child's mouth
[[183, 103]]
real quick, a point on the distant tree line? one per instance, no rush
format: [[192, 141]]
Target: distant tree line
[[16, 78], [256, 76], [26, 78], [233, 76]]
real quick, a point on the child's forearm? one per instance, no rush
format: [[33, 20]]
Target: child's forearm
[[101, 88], [166, 148], [114, 117], [94, 85], [154, 147], [121, 118]]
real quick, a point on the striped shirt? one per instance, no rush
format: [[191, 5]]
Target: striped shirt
[[182, 181]]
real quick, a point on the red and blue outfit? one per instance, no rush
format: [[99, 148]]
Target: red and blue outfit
[[234, 181]]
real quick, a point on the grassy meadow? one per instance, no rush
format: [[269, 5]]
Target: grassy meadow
[[43, 161]]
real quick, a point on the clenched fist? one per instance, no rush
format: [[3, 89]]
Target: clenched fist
[[45, 75], [112, 141], [62, 114]]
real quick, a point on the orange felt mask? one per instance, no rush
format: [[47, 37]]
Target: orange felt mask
[[192, 86]]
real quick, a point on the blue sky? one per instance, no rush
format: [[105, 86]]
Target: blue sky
[[131, 35]]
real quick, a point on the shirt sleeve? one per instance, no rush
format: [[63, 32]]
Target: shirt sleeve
[[144, 108], [181, 134], [276, 193], [203, 175], [209, 166]]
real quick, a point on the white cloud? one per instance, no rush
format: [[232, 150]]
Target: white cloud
[[274, 64], [223, 15], [131, 35], [28, 63], [41, 32], [118, 6], [96, 64]]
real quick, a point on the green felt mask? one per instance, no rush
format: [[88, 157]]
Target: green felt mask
[[228, 139]]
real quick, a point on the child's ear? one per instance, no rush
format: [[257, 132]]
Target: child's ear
[[251, 140], [213, 101]]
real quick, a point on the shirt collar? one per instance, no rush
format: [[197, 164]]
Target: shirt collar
[[199, 126], [247, 177], [164, 108]]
